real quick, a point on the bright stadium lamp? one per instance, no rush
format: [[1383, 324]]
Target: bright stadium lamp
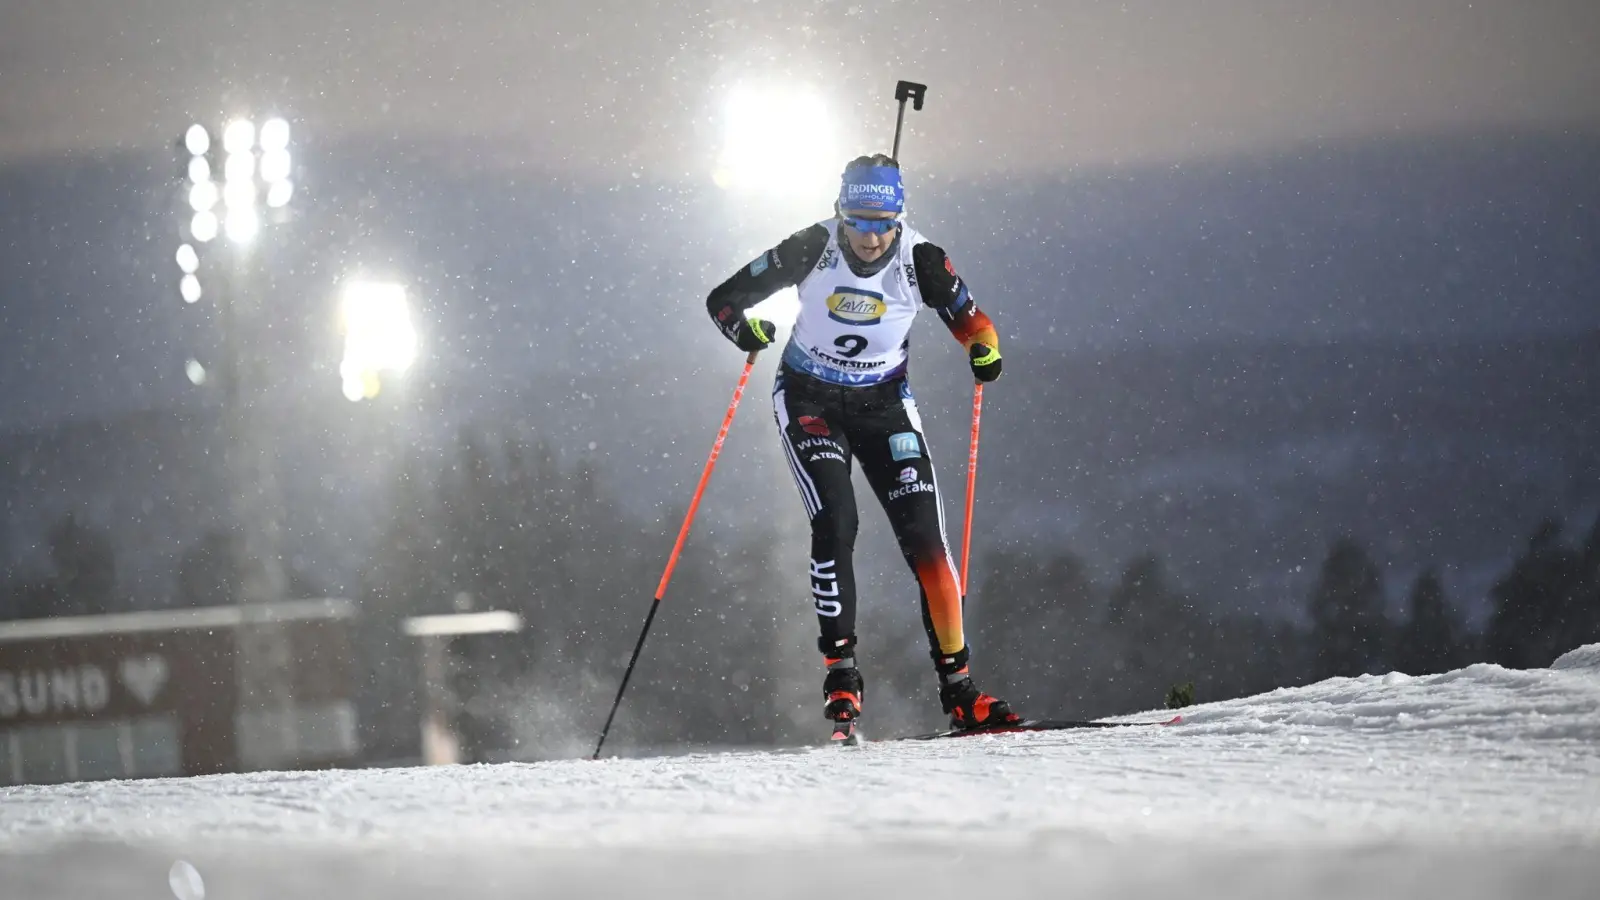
[[197, 140], [378, 336], [279, 192], [254, 166], [239, 194], [204, 226], [776, 137], [274, 165], [274, 135], [203, 196], [239, 167], [188, 259], [199, 170], [242, 224], [239, 136]]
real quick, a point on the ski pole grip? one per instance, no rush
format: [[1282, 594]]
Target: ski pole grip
[[910, 90]]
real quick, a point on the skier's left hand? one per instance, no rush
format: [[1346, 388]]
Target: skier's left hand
[[985, 362]]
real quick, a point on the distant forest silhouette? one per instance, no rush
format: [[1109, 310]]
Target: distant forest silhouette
[[508, 525]]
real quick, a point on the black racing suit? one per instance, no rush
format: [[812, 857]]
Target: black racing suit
[[826, 427]]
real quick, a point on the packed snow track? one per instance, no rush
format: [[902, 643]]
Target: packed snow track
[[1484, 782]]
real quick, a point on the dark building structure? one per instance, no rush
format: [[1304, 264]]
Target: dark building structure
[[177, 692]]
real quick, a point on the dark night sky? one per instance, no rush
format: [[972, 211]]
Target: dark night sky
[[1022, 87], [1301, 170], [623, 95]]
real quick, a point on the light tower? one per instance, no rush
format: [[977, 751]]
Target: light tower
[[234, 187]]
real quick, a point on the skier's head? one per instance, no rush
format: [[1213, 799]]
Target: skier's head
[[871, 198]]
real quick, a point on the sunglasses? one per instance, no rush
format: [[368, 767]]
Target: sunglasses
[[871, 226]]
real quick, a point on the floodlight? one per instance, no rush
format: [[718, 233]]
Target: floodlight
[[239, 136], [274, 135], [203, 196], [199, 169], [242, 224], [377, 335], [188, 260], [240, 166], [204, 226], [779, 137], [239, 194], [189, 287], [274, 165], [357, 384], [279, 192], [197, 140]]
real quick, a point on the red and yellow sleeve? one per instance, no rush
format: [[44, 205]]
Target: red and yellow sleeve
[[971, 326]]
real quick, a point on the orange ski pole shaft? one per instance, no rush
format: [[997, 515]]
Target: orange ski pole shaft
[[972, 482], [705, 476], [677, 547]]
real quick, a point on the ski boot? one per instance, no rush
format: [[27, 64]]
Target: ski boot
[[969, 708], [843, 689]]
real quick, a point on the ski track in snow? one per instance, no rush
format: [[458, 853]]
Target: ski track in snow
[[1479, 782]]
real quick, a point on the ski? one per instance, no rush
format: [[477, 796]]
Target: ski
[[1027, 725]]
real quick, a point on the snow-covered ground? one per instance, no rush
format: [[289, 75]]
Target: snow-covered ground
[[1483, 782]]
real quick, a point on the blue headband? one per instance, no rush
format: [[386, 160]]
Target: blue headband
[[874, 188]]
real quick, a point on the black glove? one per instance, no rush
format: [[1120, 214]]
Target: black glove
[[985, 362], [752, 335]]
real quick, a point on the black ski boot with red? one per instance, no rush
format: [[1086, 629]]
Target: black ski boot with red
[[842, 690], [969, 708]]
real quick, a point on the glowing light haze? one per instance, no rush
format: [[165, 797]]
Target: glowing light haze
[[378, 336]]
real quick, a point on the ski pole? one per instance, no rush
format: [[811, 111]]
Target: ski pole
[[672, 561], [972, 481], [903, 91]]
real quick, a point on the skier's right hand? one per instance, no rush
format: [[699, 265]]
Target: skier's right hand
[[752, 335]]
